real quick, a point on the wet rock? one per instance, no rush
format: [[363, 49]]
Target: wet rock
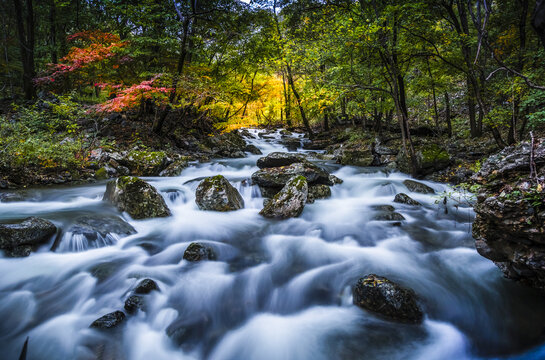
[[403, 198], [384, 297], [291, 144], [289, 202], [91, 226], [418, 187], [389, 216], [333, 180], [146, 286], [11, 197], [146, 163], [109, 321], [176, 168], [135, 196], [277, 159], [389, 208], [277, 177], [217, 194], [20, 239], [133, 304], [252, 149], [318, 191], [198, 252], [269, 192], [510, 231]]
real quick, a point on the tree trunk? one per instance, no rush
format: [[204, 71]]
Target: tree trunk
[[299, 104], [435, 112], [53, 31], [447, 115], [26, 45], [538, 20], [287, 101], [326, 120]]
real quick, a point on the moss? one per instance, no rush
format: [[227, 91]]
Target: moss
[[299, 182], [434, 153], [101, 174], [124, 181]]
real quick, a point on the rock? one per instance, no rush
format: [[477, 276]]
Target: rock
[[146, 163], [217, 194], [198, 252], [146, 286], [133, 304], [252, 149], [289, 202], [91, 226], [388, 208], [277, 159], [109, 321], [20, 239], [510, 231], [333, 180], [279, 176], [269, 192], [11, 197], [175, 169], [230, 145], [318, 191], [403, 198], [357, 157], [135, 196], [101, 174], [389, 216], [418, 187], [384, 297]]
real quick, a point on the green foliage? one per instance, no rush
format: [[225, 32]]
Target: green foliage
[[43, 135]]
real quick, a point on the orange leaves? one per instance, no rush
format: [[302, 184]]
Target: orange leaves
[[131, 97]]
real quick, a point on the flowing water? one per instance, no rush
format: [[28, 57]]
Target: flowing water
[[278, 289]]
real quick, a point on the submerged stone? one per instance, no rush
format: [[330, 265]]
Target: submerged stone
[[418, 187], [133, 304], [382, 296], [20, 239], [146, 286], [403, 198], [198, 252], [109, 321]]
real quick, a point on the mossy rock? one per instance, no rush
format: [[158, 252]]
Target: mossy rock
[[147, 163], [101, 174], [318, 191], [289, 202], [217, 194], [135, 196]]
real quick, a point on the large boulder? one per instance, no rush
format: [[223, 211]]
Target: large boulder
[[20, 239], [135, 196], [509, 224], [146, 163], [277, 177], [386, 298], [289, 202], [277, 159], [217, 194], [418, 187]]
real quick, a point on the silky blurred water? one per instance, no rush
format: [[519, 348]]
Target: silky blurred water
[[278, 290]]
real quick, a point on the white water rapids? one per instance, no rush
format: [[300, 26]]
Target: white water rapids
[[279, 290]]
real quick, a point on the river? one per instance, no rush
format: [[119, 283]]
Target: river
[[278, 289]]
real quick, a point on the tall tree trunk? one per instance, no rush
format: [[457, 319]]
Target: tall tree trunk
[[538, 20], [326, 119], [26, 45], [298, 100], [287, 101], [435, 112], [158, 124], [53, 31], [447, 115]]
